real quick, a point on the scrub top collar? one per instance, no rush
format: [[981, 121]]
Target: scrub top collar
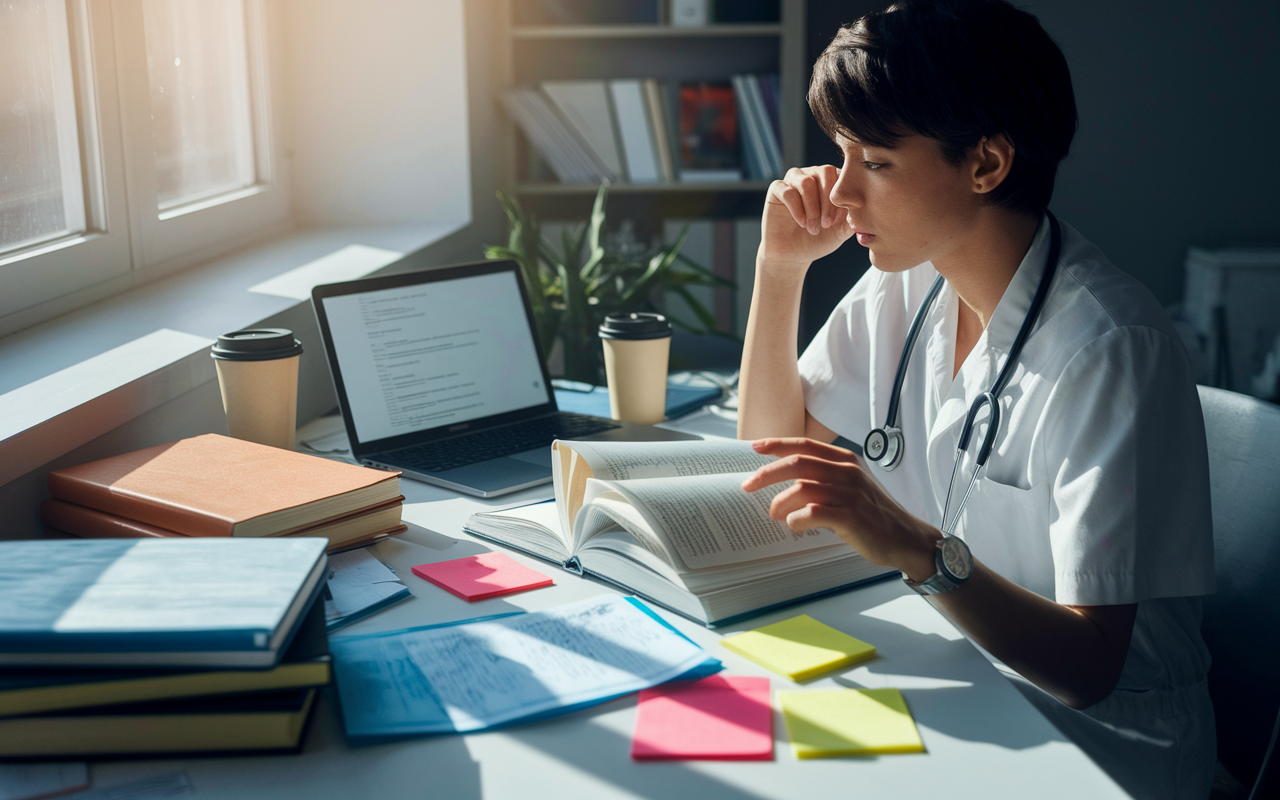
[[952, 397]]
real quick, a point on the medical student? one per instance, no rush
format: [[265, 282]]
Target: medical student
[[1079, 557]]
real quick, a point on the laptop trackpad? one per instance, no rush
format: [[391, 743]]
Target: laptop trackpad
[[498, 474], [540, 456]]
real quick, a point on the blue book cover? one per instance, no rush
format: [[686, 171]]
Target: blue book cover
[[583, 398], [155, 602]]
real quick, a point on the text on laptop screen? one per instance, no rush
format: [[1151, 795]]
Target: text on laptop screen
[[438, 353]]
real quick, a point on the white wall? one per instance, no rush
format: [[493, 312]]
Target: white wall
[[376, 99]]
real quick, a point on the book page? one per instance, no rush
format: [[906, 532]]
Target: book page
[[488, 673], [621, 461], [711, 522]]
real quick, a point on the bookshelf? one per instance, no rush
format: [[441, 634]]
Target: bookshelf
[[533, 53]]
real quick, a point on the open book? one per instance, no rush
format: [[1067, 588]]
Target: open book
[[670, 522]]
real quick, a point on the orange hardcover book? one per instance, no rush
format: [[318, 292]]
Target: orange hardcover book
[[357, 528], [214, 485]]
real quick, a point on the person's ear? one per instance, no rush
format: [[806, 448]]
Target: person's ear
[[992, 158]]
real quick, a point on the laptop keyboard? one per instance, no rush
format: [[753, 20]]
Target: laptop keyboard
[[496, 442]]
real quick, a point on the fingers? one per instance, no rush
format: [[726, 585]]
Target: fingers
[[798, 467], [798, 445], [805, 493], [806, 193]]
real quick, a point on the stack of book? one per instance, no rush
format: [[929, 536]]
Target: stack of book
[[646, 131], [119, 648], [217, 486]]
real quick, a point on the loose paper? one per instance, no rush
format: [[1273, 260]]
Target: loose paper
[[483, 576], [359, 584], [849, 722], [475, 675], [799, 648], [716, 718]]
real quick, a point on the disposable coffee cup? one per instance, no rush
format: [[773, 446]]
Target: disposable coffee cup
[[636, 348], [258, 375]]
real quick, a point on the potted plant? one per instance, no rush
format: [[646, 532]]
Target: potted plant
[[573, 287]]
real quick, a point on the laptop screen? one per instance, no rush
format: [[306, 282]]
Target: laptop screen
[[437, 353]]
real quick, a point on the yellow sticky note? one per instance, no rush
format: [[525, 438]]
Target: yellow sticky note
[[799, 648], [849, 722]]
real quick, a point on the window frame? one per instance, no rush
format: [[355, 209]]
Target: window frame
[[52, 268], [197, 229], [126, 238]]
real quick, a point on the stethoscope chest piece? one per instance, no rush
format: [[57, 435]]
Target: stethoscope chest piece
[[884, 446]]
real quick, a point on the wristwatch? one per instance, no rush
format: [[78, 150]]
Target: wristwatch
[[955, 566]]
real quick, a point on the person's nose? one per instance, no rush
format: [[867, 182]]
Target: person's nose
[[846, 191]]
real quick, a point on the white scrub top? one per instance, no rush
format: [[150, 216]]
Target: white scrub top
[[1097, 492]]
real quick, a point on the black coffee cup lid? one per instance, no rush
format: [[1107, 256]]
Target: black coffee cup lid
[[257, 344], [638, 325]]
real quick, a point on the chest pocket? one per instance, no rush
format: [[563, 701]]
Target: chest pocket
[[1007, 528]]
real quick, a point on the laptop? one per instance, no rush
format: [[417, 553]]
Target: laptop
[[438, 375]]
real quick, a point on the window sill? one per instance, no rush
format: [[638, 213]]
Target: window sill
[[70, 380]]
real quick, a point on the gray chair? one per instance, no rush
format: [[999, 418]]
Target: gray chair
[[1242, 621]]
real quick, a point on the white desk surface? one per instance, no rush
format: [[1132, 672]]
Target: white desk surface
[[983, 739]]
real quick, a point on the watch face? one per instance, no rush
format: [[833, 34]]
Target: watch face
[[956, 558]]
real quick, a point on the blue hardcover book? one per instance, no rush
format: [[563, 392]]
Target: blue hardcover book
[[207, 602], [583, 398]]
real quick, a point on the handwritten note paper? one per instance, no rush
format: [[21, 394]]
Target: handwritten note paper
[[717, 718], [476, 675], [481, 577], [849, 722], [799, 648]]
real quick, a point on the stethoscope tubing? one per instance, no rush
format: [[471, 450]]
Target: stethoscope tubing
[[878, 445]]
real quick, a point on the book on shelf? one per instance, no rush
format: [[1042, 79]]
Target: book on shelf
[[588, 12], [244, 723], [661, 130], [635, 130], [761, 150], [563, 150], [647, 131], [670, 522], [357, 529], [214, 485], [585, 105], [708, 133], [162, 602], [305, 663]]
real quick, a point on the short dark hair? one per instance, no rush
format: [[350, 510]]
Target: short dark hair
[[954, 71]]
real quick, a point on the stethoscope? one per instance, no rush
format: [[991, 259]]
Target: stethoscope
[[885, 444]]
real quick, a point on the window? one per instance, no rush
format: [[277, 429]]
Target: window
[[200, 111], [135, 138], [41, 195]]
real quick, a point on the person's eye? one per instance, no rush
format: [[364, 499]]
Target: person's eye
[[873, 166]]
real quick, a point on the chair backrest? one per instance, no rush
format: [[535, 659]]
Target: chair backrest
[[1242, 621]]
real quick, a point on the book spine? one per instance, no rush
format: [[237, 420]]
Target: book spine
[[634, 130], [141, 642], [659, 129], [89, 523], [765, 126], [756, 167], [186, 521], [521, 106]]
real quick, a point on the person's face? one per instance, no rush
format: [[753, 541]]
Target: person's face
[[907, 205]]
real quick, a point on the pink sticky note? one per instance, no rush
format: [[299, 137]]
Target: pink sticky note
[[483, 576], [717, 718]]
